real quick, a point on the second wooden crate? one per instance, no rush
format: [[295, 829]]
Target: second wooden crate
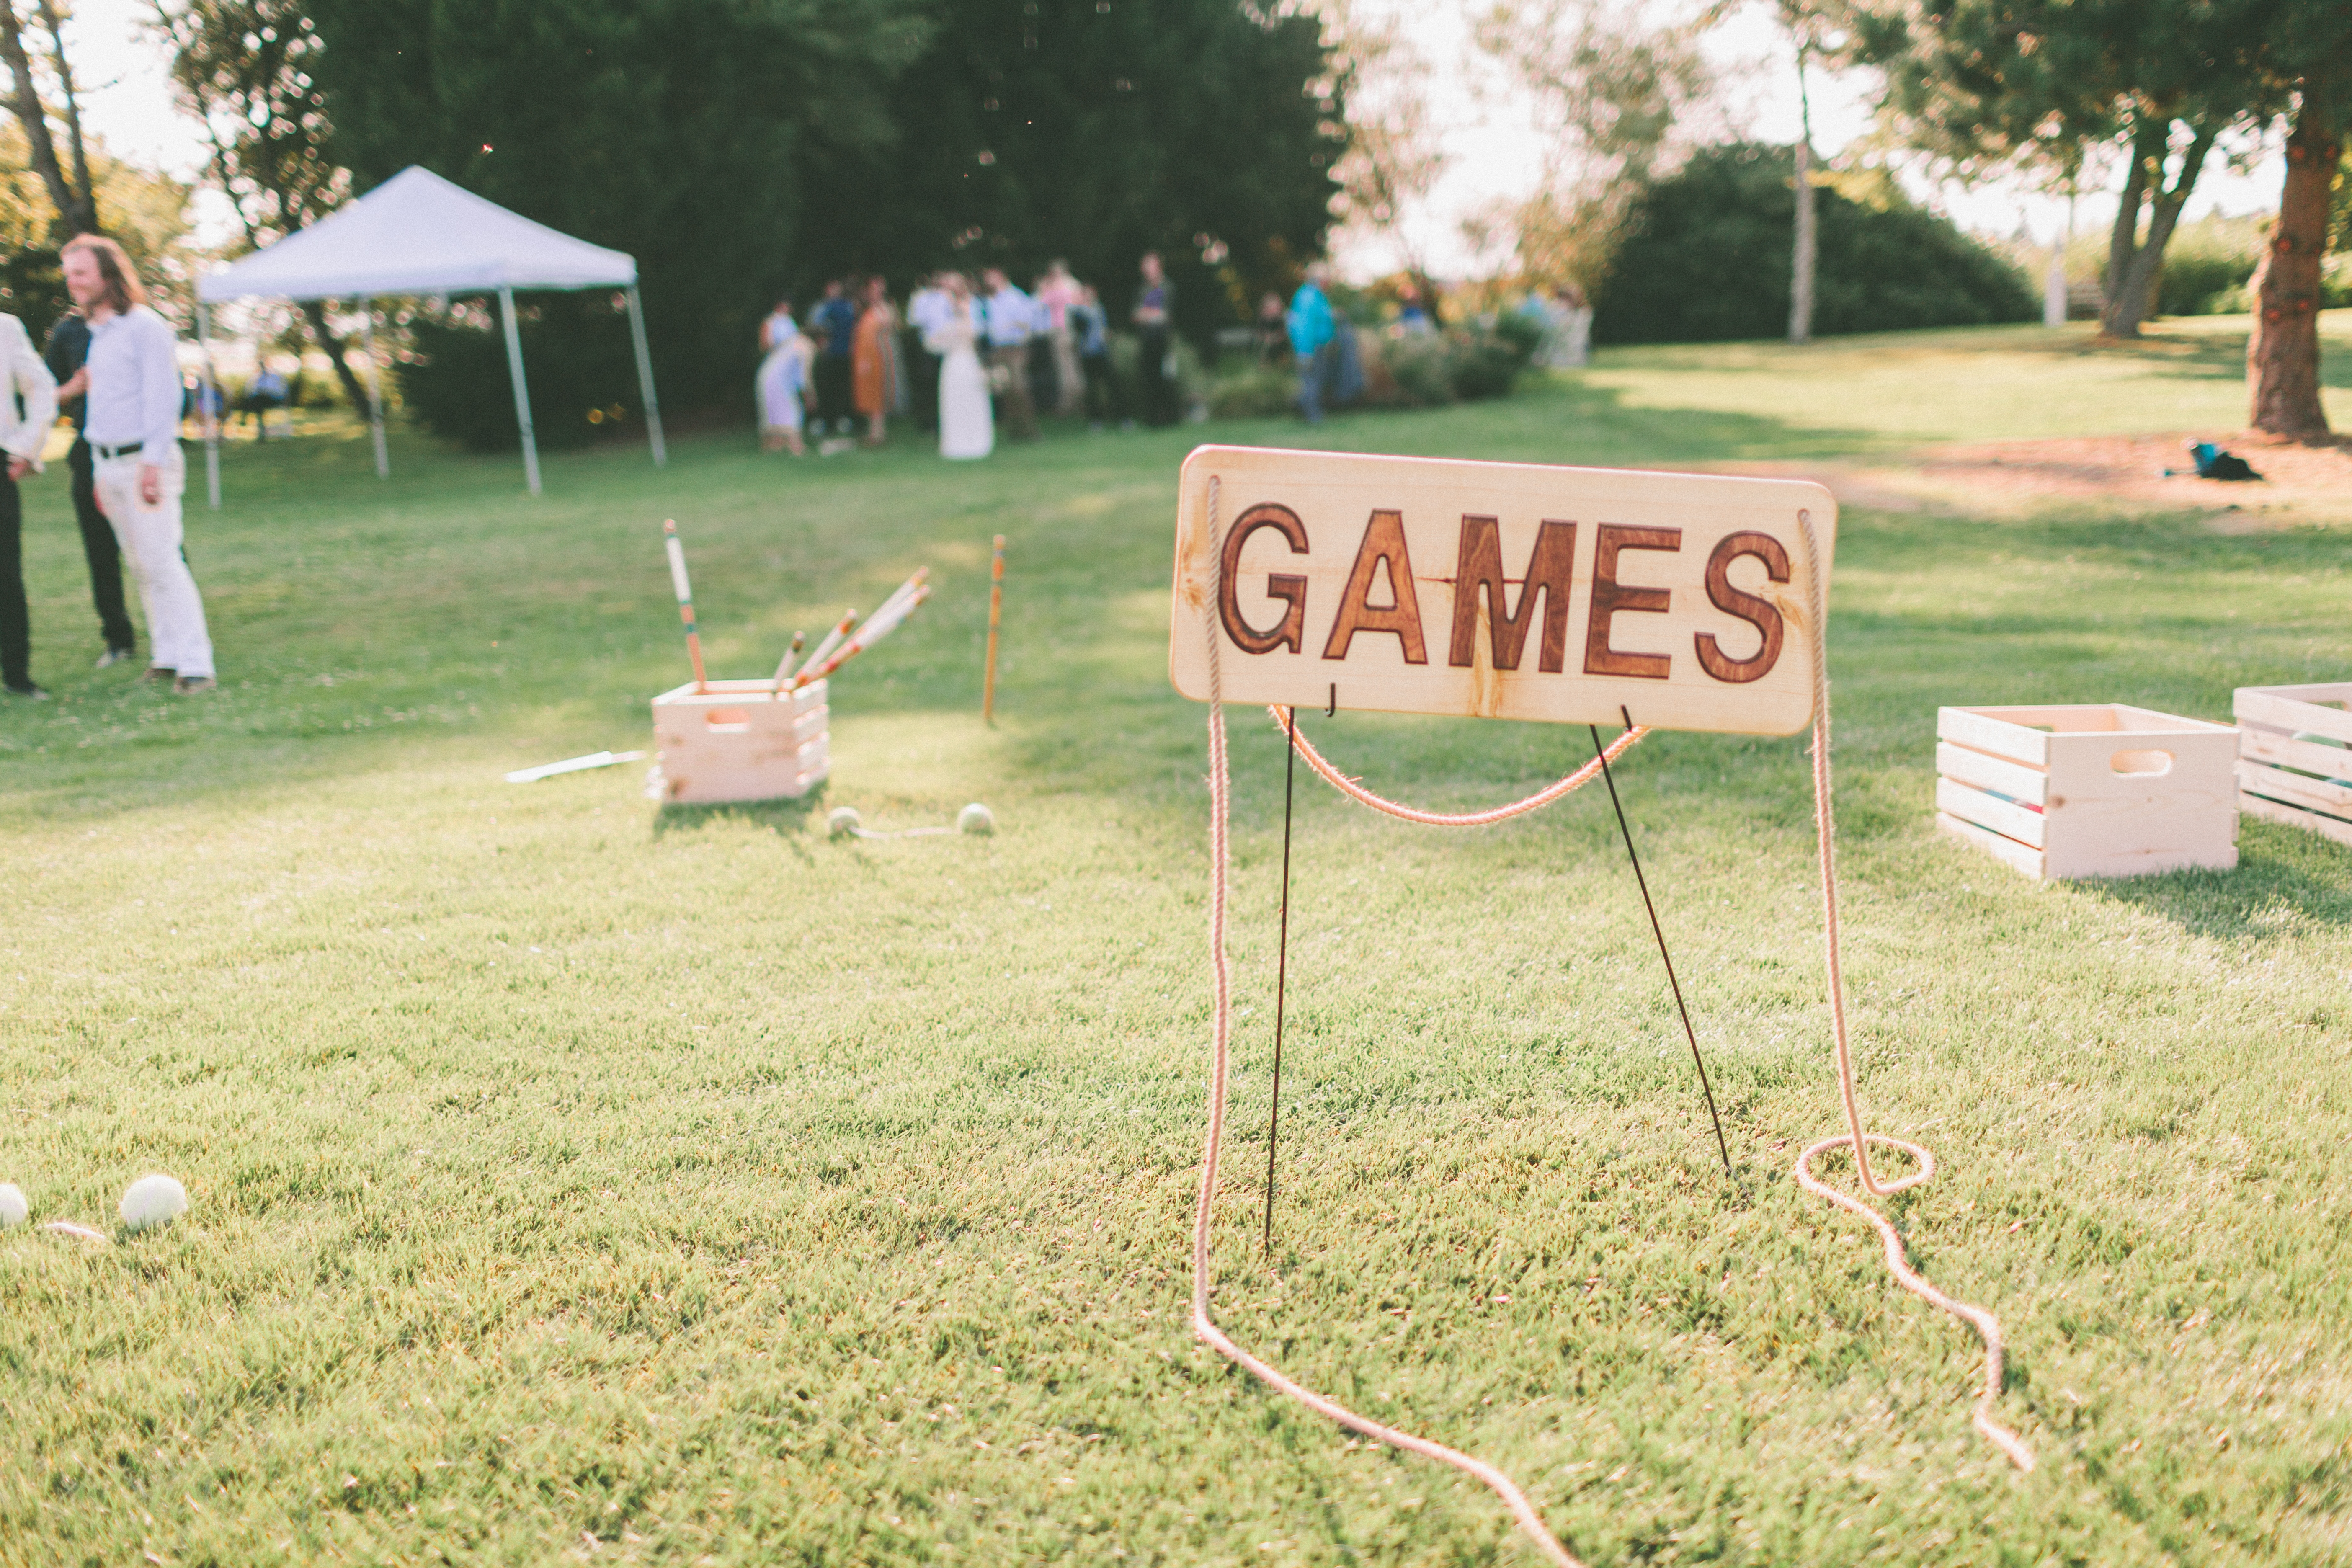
[[2105, 790], [2291, 764]]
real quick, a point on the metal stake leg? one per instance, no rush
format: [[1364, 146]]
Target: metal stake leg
[[1281, 963], [1659, 932]]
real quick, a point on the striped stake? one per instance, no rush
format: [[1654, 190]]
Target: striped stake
[[784, 665], [995, 612], [685, 599], [832, 640], [876, 629]]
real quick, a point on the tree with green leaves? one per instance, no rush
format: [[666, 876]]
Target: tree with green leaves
[[243, 69], [1626, 93], [73, 196], [1208, 131], [1998, 83], [678, 130]]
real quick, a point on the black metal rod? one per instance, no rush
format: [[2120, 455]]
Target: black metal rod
[[1659, 932], [1281, 965]]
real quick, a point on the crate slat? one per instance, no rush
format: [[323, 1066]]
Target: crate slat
[[2265, 705], [1982, 732], [1986, 772], [2277, 784], [2008, 820], [2295, 816], [2279, 752], [2021, 856]]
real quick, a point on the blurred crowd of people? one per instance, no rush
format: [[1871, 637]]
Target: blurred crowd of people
[[965, 358]]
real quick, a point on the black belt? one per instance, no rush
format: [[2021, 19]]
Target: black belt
[[108, 454]]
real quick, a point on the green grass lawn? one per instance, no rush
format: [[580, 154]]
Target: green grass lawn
[[574, 1181]]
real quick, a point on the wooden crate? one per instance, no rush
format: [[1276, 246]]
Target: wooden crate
[[2303, 784], [2101, 791], [739, 740]]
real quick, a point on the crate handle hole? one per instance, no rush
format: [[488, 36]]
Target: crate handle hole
[[2142, 764], [728, 719]]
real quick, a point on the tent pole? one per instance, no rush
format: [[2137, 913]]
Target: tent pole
[[523, 394], [375, 393], [646, 378], [212, 405]]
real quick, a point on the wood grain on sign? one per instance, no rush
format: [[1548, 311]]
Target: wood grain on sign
[[1498, 590]]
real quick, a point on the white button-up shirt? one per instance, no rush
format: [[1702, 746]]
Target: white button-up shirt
[[24, 375], [135, 385], [1010, 318]]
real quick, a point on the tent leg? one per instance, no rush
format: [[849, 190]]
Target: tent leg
[[523, 394], [375, 394], [646, 378], [211, 408]]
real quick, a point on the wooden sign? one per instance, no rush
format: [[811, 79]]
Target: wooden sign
[[1498, 590]]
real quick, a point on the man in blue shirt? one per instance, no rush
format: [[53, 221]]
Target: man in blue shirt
[[1312, 333], [1009, 319], [835, 320]]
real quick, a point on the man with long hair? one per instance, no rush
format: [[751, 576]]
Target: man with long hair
[[133, 429]]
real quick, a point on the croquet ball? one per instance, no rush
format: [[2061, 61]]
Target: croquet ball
[[13, 1206], [842, 821], [975, 818], [153, 1201]]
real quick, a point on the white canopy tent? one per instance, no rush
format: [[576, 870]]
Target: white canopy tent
[[419, 234]]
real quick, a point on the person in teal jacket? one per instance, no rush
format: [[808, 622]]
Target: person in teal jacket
[[1312, 333]]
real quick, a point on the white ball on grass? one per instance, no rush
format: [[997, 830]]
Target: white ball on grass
[[842, 821], [13, 1206], [152, 1201], [975, 818]]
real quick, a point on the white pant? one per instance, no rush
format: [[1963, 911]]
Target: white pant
[[149, 536]]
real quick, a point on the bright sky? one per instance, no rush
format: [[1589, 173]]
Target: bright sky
[[1491, 135], [1489, 132]]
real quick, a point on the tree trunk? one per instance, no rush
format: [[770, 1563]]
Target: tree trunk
[[2131, 288], [1800, 278], [1800, 267], [2283, 354], [315, 312], [71, 106], [2123, 239], [77, 212]]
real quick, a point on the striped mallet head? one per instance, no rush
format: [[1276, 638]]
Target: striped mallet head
[[684, 598]]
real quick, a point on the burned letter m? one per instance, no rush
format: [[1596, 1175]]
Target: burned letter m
[[1480, 570]]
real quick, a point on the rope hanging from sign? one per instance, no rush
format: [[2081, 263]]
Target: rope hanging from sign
[[1362, 796], [1987, 1326], [1204, 1327]]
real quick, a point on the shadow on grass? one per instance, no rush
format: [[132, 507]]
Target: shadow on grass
[[2286, 879], [785, 818]]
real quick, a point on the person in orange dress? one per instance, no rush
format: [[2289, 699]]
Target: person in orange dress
[[873, 359]]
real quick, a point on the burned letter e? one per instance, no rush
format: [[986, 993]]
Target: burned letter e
[[1609, 598]]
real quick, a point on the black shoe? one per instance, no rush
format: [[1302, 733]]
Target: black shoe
[[27, 690]]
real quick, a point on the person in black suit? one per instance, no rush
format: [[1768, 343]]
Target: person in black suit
[[68, 346]]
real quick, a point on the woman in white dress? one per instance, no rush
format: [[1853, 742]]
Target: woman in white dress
[[784, 375], [967, 427]]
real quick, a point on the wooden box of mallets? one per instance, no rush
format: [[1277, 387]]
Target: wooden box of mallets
[[739, 740], [2106, 790], [2294, 764]]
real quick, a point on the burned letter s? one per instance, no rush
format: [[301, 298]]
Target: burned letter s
[[1278, 584], [1757, 612]]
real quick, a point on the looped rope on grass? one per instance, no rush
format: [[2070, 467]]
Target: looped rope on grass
[[1203, 1326], [1362, 796], [1987, 1326]]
